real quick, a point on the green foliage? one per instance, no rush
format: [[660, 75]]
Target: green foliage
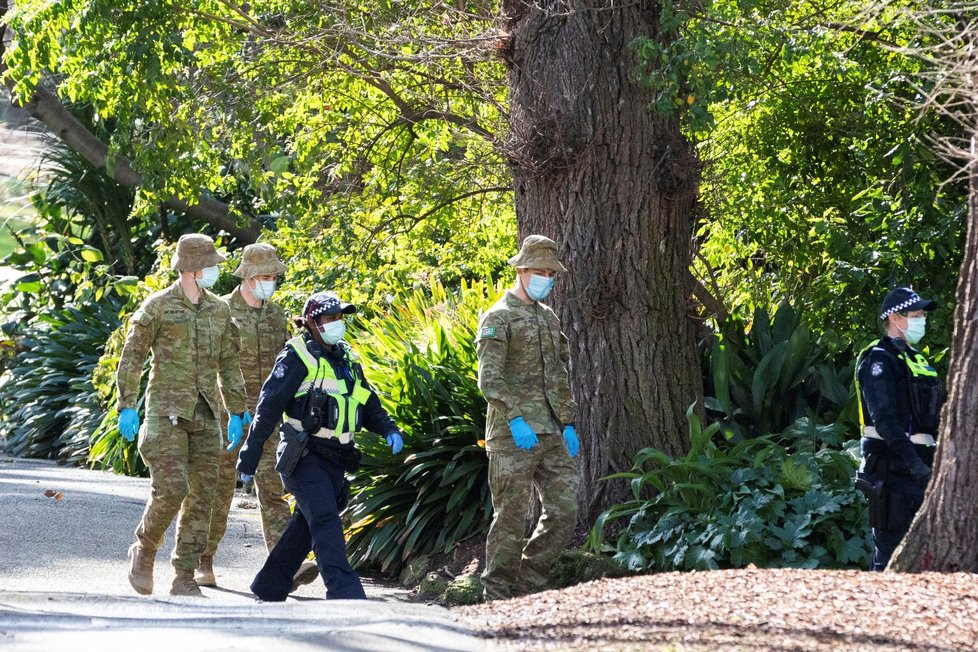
[[421, 360], [367, 133], [765, 379], [48, 402], [729, 506], [820, 181], [75, 258]]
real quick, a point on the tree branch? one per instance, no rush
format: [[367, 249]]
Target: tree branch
[[48, 108]]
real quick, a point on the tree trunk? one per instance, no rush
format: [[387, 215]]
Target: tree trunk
[[615, 186], [944, 535]]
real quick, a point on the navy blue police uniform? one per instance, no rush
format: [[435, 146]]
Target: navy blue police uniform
[[317, 482], [899, 403]]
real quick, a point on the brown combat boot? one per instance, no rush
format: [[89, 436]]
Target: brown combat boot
[[184, 584], [308, 572], [141, 569], [205, 572]]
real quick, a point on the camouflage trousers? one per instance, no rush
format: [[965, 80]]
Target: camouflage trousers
[[183, 463], [515, 564], [275, 510]]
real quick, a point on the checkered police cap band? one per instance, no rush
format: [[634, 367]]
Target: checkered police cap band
[[322, 303], [913, 299]]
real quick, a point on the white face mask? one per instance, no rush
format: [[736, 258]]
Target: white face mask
[[263, 290], [539, 287], [333, 332], [916, 328], [208, 277]]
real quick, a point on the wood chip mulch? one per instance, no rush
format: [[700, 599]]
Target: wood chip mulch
[[747, 609]]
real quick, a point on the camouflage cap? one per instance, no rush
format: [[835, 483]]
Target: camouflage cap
[[538, 252], [259, 260], [195, 251]]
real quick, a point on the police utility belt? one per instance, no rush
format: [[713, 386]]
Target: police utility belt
[[322, 433], [919, 438]]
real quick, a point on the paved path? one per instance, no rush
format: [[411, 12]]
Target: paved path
[[63, 581]]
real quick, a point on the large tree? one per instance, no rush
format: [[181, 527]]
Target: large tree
[[615, 185]]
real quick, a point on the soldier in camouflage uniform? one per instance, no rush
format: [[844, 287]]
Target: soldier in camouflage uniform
[[530, 435], [264, 329], [194, 342]]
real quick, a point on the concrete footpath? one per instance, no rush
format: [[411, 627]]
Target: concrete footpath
[[64, 533]]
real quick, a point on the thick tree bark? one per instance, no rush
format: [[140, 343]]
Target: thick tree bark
[[615, 186], [48, 109], [944, 535]]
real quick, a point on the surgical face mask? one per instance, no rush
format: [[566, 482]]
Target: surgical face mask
[[916, 327], [333, 332], [539, 287], [263, 290], [209, 277]]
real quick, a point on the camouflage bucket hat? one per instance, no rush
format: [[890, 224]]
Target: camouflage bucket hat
[[259, 260], [538, 252], [195, 251]]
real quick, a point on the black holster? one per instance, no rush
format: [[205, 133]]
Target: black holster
[[291, 449], [876, 499]]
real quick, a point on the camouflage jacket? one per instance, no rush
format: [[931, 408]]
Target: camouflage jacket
[[263, 332], [191, 347], [523, 359]]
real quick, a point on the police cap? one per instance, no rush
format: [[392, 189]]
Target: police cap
[[904, 300], [326, 303]]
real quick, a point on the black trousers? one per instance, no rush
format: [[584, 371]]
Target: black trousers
[[903, 501], [315, 525]]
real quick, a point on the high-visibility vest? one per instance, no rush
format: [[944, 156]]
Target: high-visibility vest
[[320, 374], [919, 368]]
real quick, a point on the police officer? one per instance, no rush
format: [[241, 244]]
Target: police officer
[[264, 329], [900, 398], [320, 387], [194, 343], [530, 434]]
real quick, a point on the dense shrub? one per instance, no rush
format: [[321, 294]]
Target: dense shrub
[[729, 505], [762, 377], [421, 360], [48, 402]]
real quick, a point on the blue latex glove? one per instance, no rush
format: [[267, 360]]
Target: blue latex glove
[[245, 478], [235, 431], [395, 441], [246, 419], [523, 435], [570, 438], [128, 423]]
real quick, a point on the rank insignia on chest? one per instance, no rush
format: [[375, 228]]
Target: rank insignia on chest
[[876, 369], [488, 331]]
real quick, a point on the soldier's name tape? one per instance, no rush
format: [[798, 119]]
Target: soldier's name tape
[[920, 438]]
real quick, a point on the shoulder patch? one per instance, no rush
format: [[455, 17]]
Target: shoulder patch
[[876, 369], [279, 370], [488, 331]]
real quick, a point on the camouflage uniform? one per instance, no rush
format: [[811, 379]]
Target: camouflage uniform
[[264, 332], [180, 442], [523, 358]]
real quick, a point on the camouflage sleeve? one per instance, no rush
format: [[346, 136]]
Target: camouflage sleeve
[[567, 404], [491, 345], [143, 327], [232, 382]]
